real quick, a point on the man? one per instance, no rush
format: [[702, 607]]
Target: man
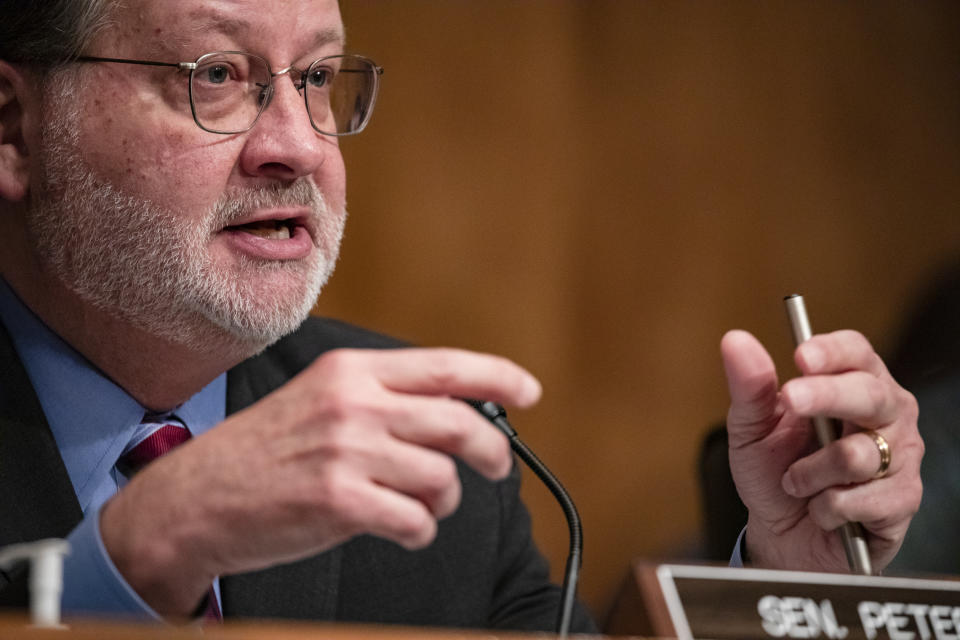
[[171, 208]]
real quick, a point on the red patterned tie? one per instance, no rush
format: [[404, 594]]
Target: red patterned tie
[[152, 447], [166, 437]]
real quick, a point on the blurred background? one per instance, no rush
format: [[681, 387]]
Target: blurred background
[[599, 190]]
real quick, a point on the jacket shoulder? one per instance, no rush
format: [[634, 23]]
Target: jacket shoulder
[[318, 335]]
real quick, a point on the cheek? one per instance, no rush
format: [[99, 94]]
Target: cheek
[[165, 164], [331, 179], [145, 142]]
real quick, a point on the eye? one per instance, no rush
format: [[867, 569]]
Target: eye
[[263, 93], [217, 73], [224, 69], [320, 77]]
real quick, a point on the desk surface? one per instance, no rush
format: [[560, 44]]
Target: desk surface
[[12, 626]]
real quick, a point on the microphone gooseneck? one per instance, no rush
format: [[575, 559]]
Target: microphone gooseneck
[[498, 416]]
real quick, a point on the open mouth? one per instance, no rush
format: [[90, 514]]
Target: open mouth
[[268, 229], [271, 235]]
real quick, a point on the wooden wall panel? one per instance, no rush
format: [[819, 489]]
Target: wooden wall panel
[[600, 189]]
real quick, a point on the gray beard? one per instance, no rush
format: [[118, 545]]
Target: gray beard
[[150, 266]]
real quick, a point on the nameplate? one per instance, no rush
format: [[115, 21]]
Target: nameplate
[[747, 604]]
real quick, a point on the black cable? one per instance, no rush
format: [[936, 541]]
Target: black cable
[[568, 594]]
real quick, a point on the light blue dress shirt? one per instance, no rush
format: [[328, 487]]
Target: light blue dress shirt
[[736, 558], [92, 420]]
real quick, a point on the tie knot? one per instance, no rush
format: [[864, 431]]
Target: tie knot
[[159, 441]]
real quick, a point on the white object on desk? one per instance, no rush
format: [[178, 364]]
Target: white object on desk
[[46, 576]]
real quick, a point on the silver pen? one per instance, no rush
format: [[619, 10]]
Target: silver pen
[[829, 429]]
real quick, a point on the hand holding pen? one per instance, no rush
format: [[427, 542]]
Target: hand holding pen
[[799, 493]]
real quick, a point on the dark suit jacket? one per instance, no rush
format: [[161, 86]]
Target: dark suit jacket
[[930, 546], [483, 570]]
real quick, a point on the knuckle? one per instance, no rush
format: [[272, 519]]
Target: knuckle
[[448, 472], [335, 363], [451, 502], [415, 528], [440, 475], [876, 362], [909, 406], [914, 495], [855, 454], [303, 494], [851, 347], [877, 393], [444, 500], [336, 445], [911, 453], [909, 441], [438, 485], [443, 368], [342, 403], [333, 495], [853, 338], [832, 502], [458, 429], [333, 404], [501, 461]]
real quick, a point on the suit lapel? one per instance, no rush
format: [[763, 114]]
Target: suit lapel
[[40, 501], [306, 589]]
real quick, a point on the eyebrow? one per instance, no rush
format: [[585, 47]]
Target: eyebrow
[[330, 35], [205, 20]]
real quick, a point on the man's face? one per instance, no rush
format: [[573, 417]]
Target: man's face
[[191, 235]]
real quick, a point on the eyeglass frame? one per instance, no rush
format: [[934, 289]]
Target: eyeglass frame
[[192, 67]]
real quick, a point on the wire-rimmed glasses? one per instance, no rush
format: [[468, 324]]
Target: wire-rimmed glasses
[[230, 89]]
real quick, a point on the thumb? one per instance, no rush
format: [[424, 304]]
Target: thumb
[[752, 382]]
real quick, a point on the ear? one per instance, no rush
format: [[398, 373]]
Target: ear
[[17, 98]]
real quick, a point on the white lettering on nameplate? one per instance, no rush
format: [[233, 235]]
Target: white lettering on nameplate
[[799, 618], [903, 621]]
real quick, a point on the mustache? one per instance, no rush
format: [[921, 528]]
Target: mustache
[[237, 203]]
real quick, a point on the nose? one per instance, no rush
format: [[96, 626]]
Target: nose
[[283, 144]]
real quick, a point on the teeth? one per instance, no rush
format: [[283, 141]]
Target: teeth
[[278, 232]]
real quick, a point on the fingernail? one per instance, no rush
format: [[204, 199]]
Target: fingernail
[[799, 396], [787, 483], [813, 357]]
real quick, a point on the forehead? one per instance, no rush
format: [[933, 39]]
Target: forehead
[[282, 28]]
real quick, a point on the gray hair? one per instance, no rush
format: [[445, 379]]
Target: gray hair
[[46, 33]]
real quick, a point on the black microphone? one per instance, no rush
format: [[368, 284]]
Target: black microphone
[[568, 594]]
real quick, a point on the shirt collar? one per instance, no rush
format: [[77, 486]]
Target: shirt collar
[[91, 417]]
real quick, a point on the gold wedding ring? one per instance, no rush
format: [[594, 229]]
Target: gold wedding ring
[[885, 455]]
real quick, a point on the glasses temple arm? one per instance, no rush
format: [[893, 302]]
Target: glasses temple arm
[[153, 63]]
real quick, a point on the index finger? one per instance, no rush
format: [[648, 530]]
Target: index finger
[[856, 396], [458, 373], [454, 428], [838, 352]]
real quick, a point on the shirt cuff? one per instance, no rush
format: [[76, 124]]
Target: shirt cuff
[[92, 585], [736, 558]]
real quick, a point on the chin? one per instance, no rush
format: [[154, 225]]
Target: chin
[[257, 311]]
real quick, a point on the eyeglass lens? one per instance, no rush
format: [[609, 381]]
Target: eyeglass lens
[[229, 90]]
